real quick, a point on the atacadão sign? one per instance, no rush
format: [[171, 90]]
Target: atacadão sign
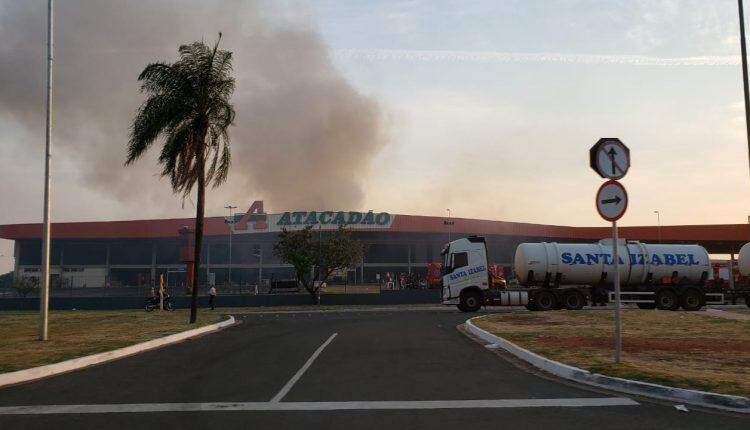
[[255, 221], [334, 218]]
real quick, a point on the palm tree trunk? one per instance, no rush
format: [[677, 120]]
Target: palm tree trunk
[[198, 232]]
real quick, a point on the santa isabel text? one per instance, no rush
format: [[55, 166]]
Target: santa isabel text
[[635, 259]]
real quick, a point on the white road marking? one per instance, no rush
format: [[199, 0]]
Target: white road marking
[[316, 406], [285, 389]]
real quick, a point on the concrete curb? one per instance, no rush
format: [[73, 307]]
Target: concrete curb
[[34, 373], [681, 395]]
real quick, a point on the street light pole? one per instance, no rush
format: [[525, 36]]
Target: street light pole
[[449, 225], [658, 224], [744, 73], [231, 232], [44, 293], [260, 265]]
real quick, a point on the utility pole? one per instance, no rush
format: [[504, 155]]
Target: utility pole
[[44, 293], [449, 223], [658, 224], [231, 232], [744, 74], [260, 265]]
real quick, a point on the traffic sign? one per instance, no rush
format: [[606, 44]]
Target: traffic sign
[[610, 158], [611, 200]]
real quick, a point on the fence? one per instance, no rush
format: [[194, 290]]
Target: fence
[[183, 301]]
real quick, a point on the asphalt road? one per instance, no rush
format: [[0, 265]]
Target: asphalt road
[[390, 369]]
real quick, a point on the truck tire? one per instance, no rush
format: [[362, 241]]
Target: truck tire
[[544, 301], [599, 297], [471, 301], [646, 305], [574, 300], [667, 300], [692, 300]]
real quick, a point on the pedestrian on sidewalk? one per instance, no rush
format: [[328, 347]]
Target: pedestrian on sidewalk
[[212, 297]]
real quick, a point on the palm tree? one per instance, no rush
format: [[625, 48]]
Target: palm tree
[[188, 104]]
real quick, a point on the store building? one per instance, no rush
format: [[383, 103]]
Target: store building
[[133, 253]]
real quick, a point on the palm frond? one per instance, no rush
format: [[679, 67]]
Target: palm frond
[[188, 104]]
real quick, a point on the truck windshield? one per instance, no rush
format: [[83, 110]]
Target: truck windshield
[[445, 253]]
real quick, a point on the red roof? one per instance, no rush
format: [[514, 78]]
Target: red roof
[[401, 223]]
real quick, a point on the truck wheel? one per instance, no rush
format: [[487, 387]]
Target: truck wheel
[[471, 301], [544, 301], [646, 305], [692, 300], [599, 297], [667, 300], [574, 301]]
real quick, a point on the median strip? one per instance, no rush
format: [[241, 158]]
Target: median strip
[[26, 375], [529, 327]]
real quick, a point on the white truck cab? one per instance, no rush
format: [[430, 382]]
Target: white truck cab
[[465, 273], [467, 283]]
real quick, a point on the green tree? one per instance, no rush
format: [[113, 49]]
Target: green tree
[[25, 286], [315, 259], [188, 105]]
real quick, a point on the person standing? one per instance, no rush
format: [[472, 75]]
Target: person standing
[[212, 297]]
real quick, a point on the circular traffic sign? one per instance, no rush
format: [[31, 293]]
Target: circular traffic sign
[[610, 158], [611, 200]]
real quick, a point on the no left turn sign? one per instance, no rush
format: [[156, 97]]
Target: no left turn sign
[[611, 200]]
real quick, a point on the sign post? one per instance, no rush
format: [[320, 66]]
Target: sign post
[[610, 158]]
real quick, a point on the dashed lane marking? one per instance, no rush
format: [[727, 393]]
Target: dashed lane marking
[[285, 389]]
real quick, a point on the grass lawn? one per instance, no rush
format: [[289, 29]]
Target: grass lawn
[[78, 333], [681, 349]]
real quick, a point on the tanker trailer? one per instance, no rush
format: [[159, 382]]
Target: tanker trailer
[[467, 283], [743, 264], [651, 275], [743, 260], [569, 275]]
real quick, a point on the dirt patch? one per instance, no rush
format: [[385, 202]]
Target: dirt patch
[[649, 344]]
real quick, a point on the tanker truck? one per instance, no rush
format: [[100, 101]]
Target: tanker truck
[[572, 275]]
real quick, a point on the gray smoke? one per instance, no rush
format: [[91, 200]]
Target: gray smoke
[[303, 136]]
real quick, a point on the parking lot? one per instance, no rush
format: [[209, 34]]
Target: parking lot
[[402, 368]]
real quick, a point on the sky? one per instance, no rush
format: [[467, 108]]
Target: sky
[[488, 108]]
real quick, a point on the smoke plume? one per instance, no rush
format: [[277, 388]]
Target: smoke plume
[[303, 136]]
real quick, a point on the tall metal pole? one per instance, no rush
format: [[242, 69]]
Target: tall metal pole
[[658, 224], [744, 73], [449, 225], [615, 264], [44, 293], [231, 232]]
